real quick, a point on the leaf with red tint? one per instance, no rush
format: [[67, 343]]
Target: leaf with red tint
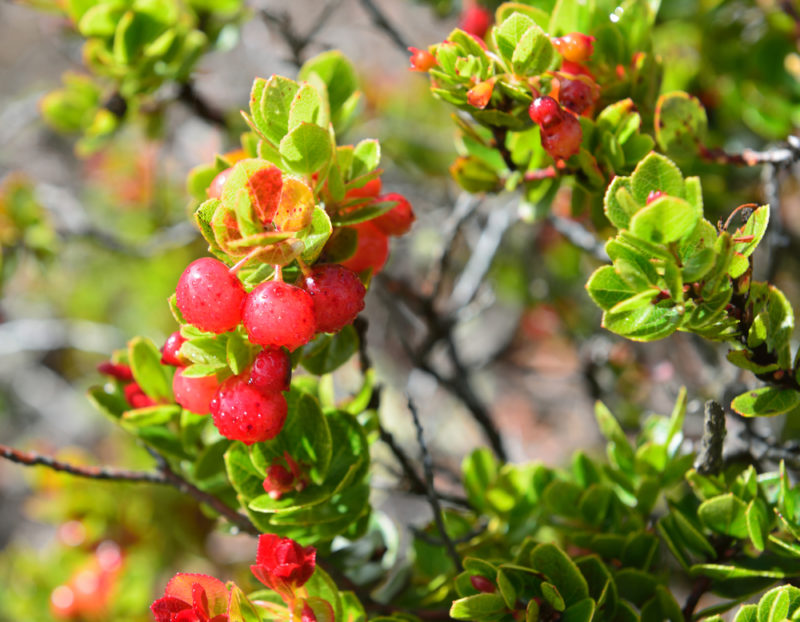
[[264, 187], [165, 609], [187, 587], [296, 206]]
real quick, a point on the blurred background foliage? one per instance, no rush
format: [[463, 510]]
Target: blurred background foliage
[[93, 246]]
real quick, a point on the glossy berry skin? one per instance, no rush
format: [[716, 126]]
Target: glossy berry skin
[[271, 370], [194, 394], [214, 190], [278, 314], [372, 249], [421, 60], [244, 413], [475, 20], [338, 296], [575, 47], [169, 352], [545, 112], [210, 297], [136, 397], [398, 220], [564, 139], [576, 96]]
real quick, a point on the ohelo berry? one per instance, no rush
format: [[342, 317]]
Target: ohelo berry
[[563, 139], [209, 296], [575, 46], [271, 370], [278, 314], [545, 112], [398, 220], [338, 296], [244, 413], [475, 20], [171, 348], [421, 60], [372, 249], [136, 397], [194, 393], [576, 95], [214, 190]]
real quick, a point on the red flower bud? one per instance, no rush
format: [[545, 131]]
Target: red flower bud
[[283, 564], [421, 60], [192, 598], [116, 370], [480, 94]]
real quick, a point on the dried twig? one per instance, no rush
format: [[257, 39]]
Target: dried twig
[[709, 459], [382, 22]]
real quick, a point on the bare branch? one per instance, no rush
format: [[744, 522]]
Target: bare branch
[[432, 498], [709, 459], [381, 21], [189, 96], [298, 42]]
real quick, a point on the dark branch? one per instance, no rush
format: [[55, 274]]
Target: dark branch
[[709, 459], [189, 96], [298, 42], [433, 499], [381, 21]]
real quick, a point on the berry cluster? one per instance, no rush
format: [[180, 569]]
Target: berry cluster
[[133, 392], [573, 93]]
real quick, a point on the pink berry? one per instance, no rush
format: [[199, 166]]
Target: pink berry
[[244, 413], [194, 393], [372, 249], [278, 314], [398, 220], [475, 20], [214, 190], [209, 296], [169, 352], [576, 96], [271, 370], [563, 139], [545, 112], [338, 296]]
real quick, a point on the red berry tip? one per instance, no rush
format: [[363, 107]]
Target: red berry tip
[[482, 584], [653, 195], [421, 60], [545, 112]]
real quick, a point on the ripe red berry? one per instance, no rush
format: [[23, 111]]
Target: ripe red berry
[[338, 296], [278, 314], [214, 190], [576, 95], [194, 393], [271, 370], [475, 20], [210, 297], [244, 413], [136, 397], [372, 249], [398, 220], [575, 46], [421, 60], [564, 139], [116, 370], [575, 69], [278, 481], [170, 349], [482, 584], [545, 112]]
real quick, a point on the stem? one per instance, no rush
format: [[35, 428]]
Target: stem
[[381, 21], [709, 459], [189, 96]]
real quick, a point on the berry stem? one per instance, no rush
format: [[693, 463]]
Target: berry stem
[[278, 275], [304, 267], [252, 254]]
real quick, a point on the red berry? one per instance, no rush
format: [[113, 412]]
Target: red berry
[[421, 60], [209, 296], [369, 190], [475, 20], [116, 370], [398, 220], [214, 190], [194, 393], [482, 584], [575, 46], [136, 397], [170, 349], [480, 94], [372, 249], [278, 314], [278, 481], [575, 69], [564, 139], [244, 413], [576, 95], [271, 370], [545, 112], [338, 296]]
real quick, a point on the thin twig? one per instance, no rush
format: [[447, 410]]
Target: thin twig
[[699, 588], [464, 208], [381, 21], [709, 459], [433, 499], [295, 41], [579, 236], [189, 95], [472, 533]]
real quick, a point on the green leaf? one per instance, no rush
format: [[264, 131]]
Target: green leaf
[[645, 324], [315, 235], [755, 227], [270, 105], [239, 353], [619, 212], [246, 479], [240, 609], [112, 405], [623, 454], [101, 20], [306, 149], [551, 594], [757, 523], [306, 107], [667, 219], [766, 402], [724, 514], [748, 613], [561, 571], [533, 54], [366, 157], [607, 288], [507, 36], [582, 611], [680, 123], [653, 174], [480, 470], [774, 605], [150, 375], [160, 414], [478, 607], [341, 82], [326, 353]]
